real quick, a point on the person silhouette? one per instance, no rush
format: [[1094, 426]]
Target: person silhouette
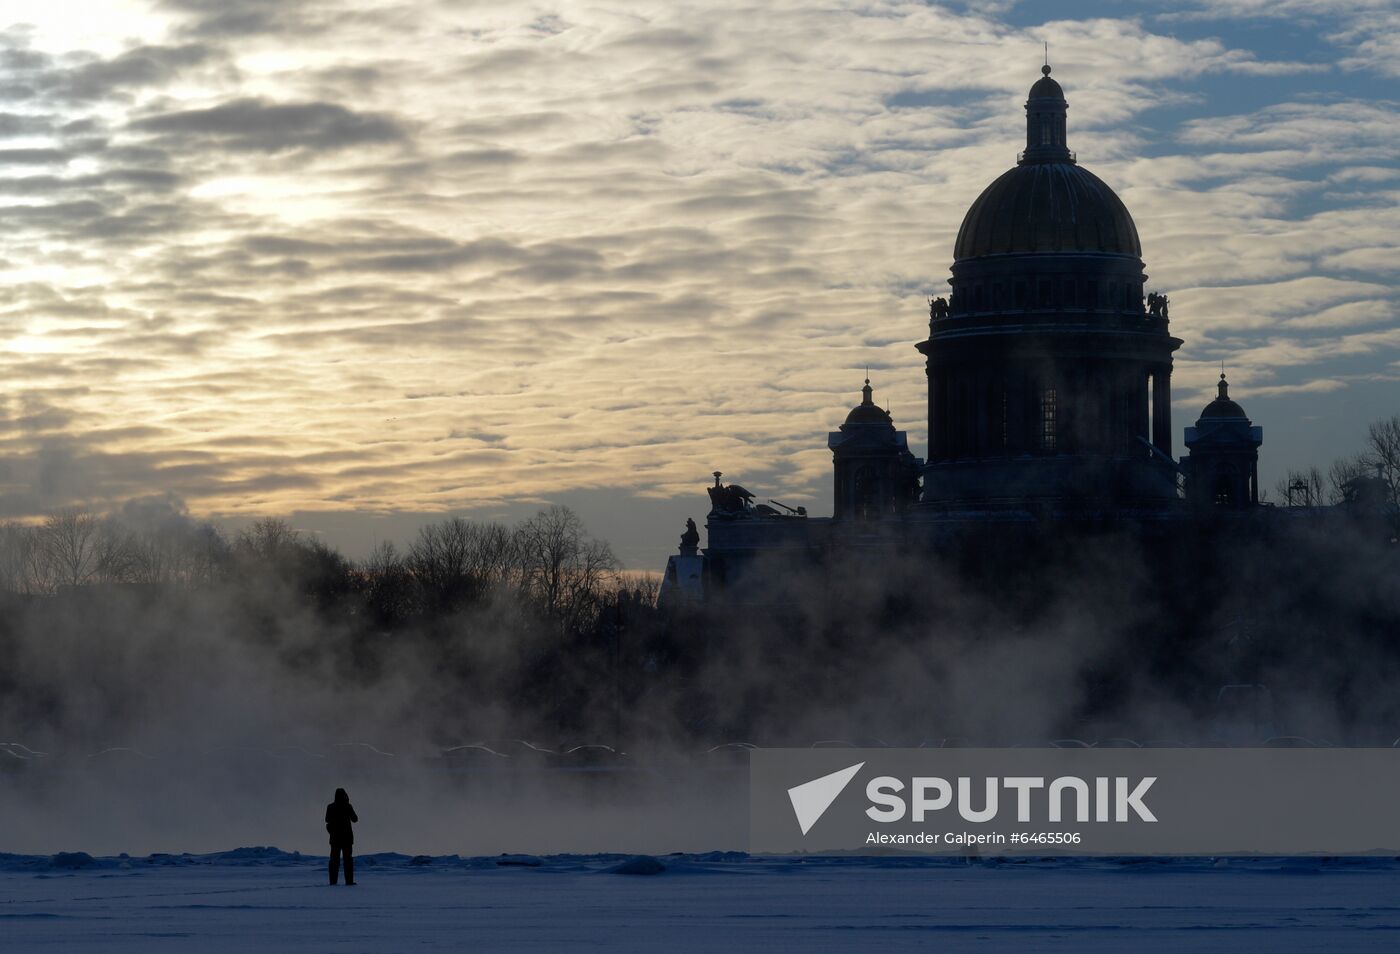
[[340, 815]]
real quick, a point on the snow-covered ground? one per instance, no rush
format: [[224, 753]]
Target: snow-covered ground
[[261, 899]]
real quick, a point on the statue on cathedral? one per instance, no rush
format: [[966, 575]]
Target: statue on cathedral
[[1157, 305], [937, 308], [691, 538]]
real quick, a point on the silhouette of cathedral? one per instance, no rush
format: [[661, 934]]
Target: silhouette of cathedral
[[1049, 396]]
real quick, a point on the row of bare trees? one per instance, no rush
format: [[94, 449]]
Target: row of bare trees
[[549, 560], [1380, 457], [73, 548]]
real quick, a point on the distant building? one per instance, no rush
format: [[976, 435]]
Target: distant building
[[1049, 397]]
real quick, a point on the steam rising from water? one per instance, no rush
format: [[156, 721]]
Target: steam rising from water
[[242, 692]]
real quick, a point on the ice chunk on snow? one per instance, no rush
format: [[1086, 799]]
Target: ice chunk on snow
[[524, 861], [71, 859], [640, 865]]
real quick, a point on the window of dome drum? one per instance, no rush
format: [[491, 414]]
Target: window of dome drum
[[1048, 413]]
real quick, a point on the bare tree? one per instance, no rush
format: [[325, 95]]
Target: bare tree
[[1340, 475], [118, 560], [1382, 453], [384, 560], [19, 553], [492, 556], [562, 567], [388, 584], [269, 540], [165, 545], [438, 562], [644, 587], [73, 549], [456, 561], [210, 554], [175, 552]]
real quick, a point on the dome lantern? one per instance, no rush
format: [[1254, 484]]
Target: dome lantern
[[867, 411], [1045, 122], [1222, 408]]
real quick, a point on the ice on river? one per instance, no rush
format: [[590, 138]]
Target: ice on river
[[269, 900]]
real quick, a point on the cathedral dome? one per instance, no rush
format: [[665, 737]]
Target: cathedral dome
[[1047, 203], [1047, 207], [868, 414]]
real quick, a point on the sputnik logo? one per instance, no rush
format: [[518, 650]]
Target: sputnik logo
[[810, 800]]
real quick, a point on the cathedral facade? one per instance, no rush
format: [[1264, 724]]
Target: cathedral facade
[[1049, 396]]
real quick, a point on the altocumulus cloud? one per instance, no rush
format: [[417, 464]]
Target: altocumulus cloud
[[253, 125], [430, 256]]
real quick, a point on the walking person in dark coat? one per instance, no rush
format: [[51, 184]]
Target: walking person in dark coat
[[340, 815]]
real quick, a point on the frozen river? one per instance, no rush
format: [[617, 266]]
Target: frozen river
[[265, 900]]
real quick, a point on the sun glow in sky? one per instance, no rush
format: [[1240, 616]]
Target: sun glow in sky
[[367, 262]]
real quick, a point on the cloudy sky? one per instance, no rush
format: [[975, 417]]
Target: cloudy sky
[[363, 261]]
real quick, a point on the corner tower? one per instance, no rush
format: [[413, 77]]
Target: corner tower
[[1222, 469], [875, 474], [1049, 382]]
